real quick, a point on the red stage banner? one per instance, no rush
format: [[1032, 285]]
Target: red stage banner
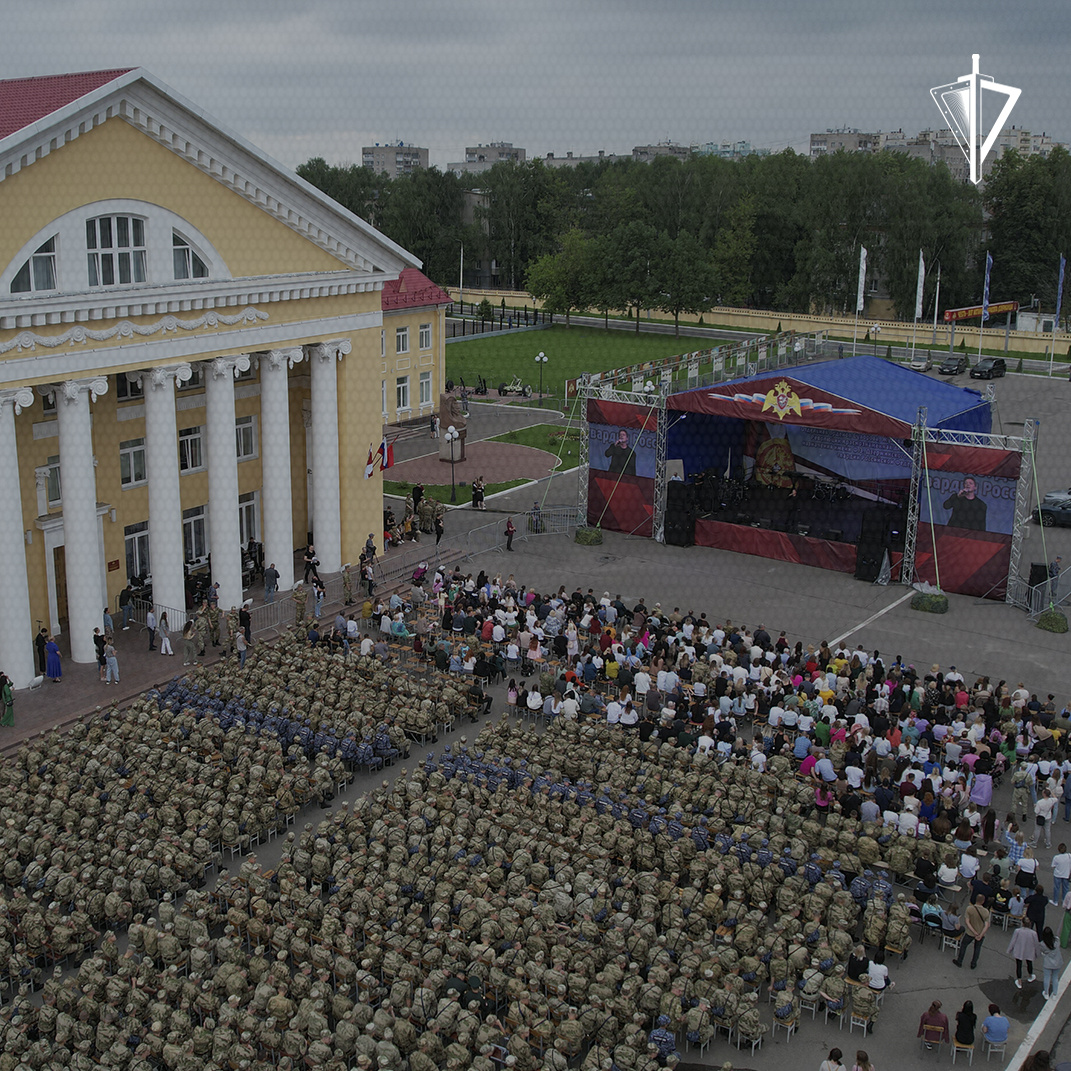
[[780, 398], [621, 414], [778, 546], [621, 503]]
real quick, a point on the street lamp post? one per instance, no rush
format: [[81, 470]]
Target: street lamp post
[[541, 359], [877, 331], [451, 436]]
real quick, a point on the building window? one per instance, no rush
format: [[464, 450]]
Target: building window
[[136, 539], [115, 248], [247, 518], [188, 265], [247, 376], [383, 344], [48, 403], [383, 395], [401, 340], [401, 389], [245, 434], [197, 379], [189, 450], [54, 496], [39, 272], [194, 538], [425, 388], [132, 462], [125, 390], [425, 336]]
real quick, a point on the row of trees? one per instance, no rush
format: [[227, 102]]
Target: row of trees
[[780, 232]]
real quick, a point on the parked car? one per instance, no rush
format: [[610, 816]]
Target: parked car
[[1054, 510], [989, 368], [921, 362], [952, 366]]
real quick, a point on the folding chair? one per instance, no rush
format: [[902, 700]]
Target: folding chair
[[999, 1047], [933, 1037], [958, 1047]]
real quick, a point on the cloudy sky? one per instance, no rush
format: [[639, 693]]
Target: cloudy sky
[[306, 78]]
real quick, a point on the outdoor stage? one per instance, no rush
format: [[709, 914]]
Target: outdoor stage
[[849, 465]]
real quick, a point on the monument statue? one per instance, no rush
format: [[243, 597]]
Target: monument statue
[[451, 414]]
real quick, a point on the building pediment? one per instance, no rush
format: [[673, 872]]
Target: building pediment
[[148, 105]]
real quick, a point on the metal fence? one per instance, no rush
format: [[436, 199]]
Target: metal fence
[[530, 523]]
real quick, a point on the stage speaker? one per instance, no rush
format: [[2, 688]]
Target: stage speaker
[[680, 528], [742, 518], [834, 535], [680, 496], [1039, 574], [875, 526]]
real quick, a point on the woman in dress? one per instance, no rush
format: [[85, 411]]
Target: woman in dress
[[53, 667], [7, 701]]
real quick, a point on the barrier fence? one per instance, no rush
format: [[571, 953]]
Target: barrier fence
[[530, 523]]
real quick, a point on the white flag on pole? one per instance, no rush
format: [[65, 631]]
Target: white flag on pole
[[918, 290], [862, 279]]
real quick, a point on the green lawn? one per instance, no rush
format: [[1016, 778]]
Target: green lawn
[[547, 437], [570, 351]]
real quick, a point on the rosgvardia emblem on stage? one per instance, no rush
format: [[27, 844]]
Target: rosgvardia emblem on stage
[[782, 400]]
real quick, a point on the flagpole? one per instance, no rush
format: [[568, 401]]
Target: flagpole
[[1056, 317], [936, 303], [859, 294]]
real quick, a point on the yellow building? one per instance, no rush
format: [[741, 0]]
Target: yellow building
[[192, 354]]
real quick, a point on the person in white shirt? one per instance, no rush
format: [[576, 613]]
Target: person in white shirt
[[642, 683], [613, 712], [367, 646], [1044, 812], [854, 775], [776, 715], [758, 758], [1061, 875]]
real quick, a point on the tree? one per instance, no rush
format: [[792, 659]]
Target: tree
[[1029, 201], [625, 277], [563, 280], [733, 252], [684, 273]]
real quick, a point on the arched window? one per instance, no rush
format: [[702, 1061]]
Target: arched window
[[115, 248], [39, 272], [188, 264]]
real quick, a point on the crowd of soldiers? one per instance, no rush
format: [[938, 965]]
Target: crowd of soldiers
[[584, 895], [531, 897]]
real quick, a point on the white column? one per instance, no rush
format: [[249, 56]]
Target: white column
[[327, 523], [278, 522], [16, 637], [165, 501], [224, 534], [78, 488]]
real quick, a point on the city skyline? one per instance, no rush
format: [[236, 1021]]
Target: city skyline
[[332, 77]]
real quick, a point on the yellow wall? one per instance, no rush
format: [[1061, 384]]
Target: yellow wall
[[115, 160], [414, 362], [361, 500]]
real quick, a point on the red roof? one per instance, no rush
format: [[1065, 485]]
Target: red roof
[[411, 290], [26, 100]]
